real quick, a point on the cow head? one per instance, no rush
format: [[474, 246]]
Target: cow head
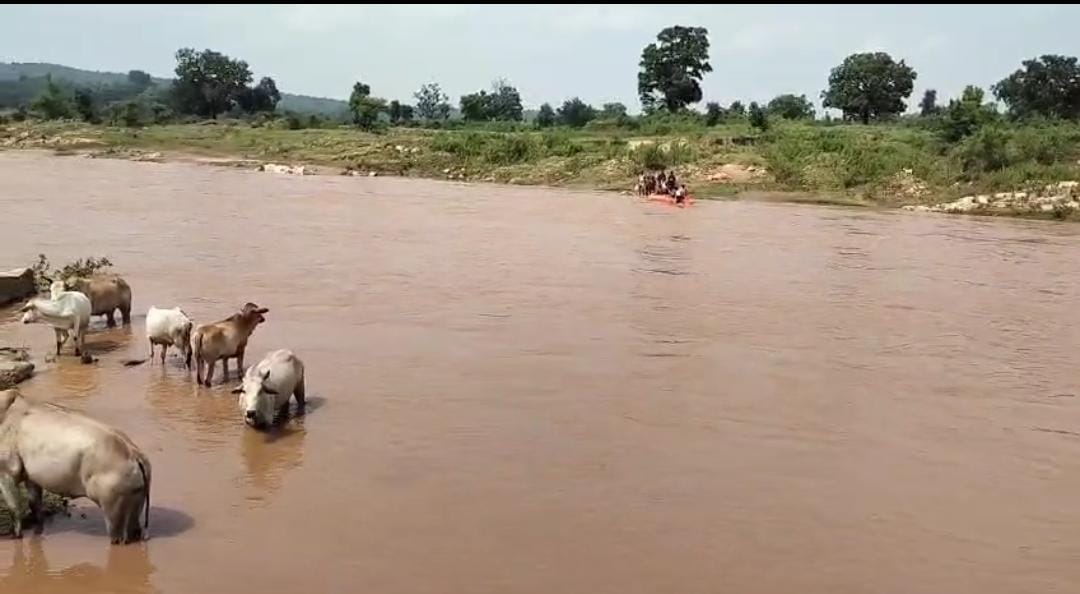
[[257, 399], [30, 313], [253, 313]]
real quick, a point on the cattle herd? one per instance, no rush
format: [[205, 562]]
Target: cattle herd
[[46, 447]]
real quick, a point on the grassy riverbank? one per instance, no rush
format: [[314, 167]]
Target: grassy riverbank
[[891, 165]]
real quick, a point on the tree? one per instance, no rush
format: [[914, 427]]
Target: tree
[[545, 118], [713, 113], [84, 106], [400, 113], [139, 79], [432, 103], [736, 110], [758, 117], [1047, 86], [475, 107], [964, 117], [504, 102], [52, 104], [263, 97], [207, 82], [869, 86], [671, 70], [928, 106], [791, 107], [576, 113], [613, 111], [364, 107]]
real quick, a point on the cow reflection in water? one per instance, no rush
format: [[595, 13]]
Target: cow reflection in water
[[127, 570], [269, 457]]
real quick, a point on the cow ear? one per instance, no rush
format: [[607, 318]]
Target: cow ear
[[238, 389]]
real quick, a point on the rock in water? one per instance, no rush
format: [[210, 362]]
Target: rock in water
[[15, 366], [16, 284]]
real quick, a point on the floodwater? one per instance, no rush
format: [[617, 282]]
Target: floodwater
[[537, 391]]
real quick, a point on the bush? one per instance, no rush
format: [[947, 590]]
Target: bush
[[984, 151], [653, 156], [44, 274]]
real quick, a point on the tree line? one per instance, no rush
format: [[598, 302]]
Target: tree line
[[866, 87]]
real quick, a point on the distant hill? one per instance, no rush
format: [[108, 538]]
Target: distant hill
[[13, 72]]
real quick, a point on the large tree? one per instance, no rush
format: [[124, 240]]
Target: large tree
[[575, 113], [364, 107], [672, 68], [502, 103], [505, 101], [1047, 86], [869, 86], [791, 107], [263, 97], [208, 82], [928, 105], [432, 103], [400, 113], [545, 118]]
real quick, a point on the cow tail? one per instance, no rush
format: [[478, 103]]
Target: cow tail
[[146, 484]]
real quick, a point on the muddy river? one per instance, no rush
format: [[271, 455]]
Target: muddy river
[[533, 391]]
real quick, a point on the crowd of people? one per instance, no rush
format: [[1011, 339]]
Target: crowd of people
[[663, 183]]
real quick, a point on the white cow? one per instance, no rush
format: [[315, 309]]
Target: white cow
[[267, 385], [66, 311], [169, 327], [48, 447]]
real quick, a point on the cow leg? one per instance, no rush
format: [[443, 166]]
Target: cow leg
[[240, 360], [125, 313], [115, 517], [224, 369], [37, 506], [198, 370], [210, 371], [164, 350], [299, 394], [9, 491], [134, 529], [60, 338], [110, 320], [80, 338], [151, 351]]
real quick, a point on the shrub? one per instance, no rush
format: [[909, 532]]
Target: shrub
[[44, 274]]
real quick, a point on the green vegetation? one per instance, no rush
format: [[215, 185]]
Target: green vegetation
[[54, 504], [873, 154], [45, 274]]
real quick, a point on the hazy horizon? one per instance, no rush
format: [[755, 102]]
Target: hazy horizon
[[549, 52]]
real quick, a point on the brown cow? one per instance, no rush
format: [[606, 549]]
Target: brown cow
[[224, 339], [107, 293]]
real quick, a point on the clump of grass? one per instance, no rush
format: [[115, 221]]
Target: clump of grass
[[45, 274], [54, 504]]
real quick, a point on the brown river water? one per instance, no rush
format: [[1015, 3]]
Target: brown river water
[[519, 390]]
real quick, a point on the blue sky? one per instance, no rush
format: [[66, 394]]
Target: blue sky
[[550, 52]]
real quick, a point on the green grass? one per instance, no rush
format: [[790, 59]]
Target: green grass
[[53, 504], [835, 163]]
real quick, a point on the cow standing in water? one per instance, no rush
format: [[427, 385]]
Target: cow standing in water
[[48, 447], [107, 294], [224, 339]]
